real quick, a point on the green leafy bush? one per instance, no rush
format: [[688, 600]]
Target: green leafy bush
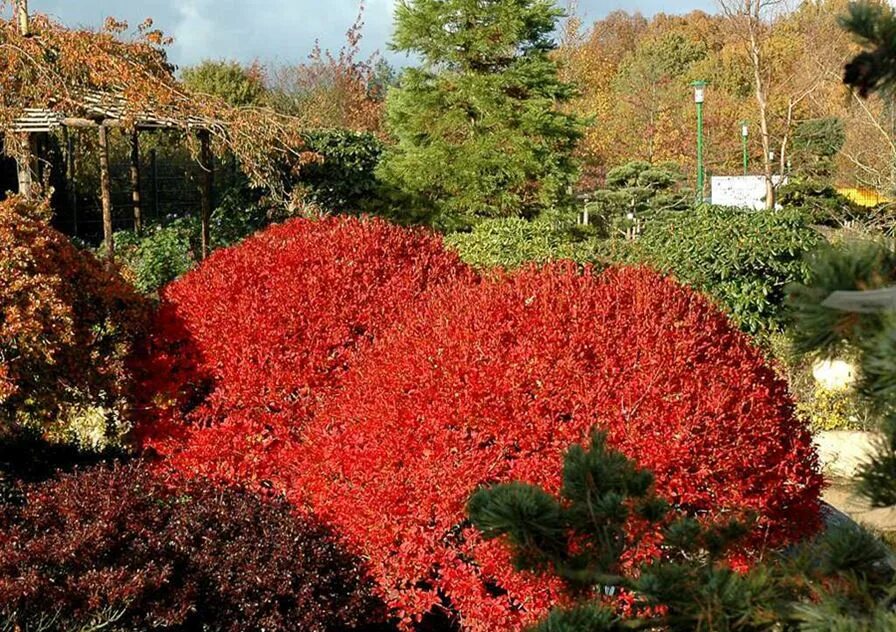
[[240, 213], [158, 257], [743, 259], [511, 242], [344, 180]]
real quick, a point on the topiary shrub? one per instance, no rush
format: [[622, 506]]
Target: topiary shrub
[[116, 544], [248, 344], [492, 381], [743, 259], [67, 326], [511, 242]]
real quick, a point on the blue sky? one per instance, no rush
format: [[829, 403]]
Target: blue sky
[[278, 30]]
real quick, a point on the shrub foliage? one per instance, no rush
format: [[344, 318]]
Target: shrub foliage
[[67, 326], [742, 259], [367, 374], [510, 242], [247, 345], [115, 543], [492, 381]]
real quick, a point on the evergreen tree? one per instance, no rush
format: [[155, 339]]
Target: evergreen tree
[[478, 126], [862, 315], [874, 25], [584, 536]]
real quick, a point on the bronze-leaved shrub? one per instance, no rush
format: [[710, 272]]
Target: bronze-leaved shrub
[[68, 323]]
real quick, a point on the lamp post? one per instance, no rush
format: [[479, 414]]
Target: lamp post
[[745, 132], [699, 93]]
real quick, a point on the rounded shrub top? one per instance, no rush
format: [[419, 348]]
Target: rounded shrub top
[[115, 545], [366, 373], [67, 326], [492, 381], [256, 337]]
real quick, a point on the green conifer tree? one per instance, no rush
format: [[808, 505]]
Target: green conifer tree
[[478, 126], [839, 583], [842, 582]]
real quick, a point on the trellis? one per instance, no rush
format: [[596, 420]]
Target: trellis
[[101, 117], [104, 85]]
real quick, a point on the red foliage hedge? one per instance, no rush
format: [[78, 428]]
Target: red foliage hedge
[[248, 344], [117, 543], [363, 371], [492, 381], [67, 326]]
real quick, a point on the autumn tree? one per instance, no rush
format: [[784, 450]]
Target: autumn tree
[[485, 102], [333, 89], [751, 21]]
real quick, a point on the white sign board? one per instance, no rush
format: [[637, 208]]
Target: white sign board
[[741, 191]]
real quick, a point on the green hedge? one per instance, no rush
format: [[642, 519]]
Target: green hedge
[[512, 241], [744, 259]]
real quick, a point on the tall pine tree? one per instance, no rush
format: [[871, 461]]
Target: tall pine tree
[[478, 125]]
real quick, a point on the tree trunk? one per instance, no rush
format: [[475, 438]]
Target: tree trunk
[[762, 103], [71, 182], [106, 192], [135, 182], [22, 17]]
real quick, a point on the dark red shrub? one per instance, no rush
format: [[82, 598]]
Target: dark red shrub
[[248, 344], [492, 381], [115, 542]]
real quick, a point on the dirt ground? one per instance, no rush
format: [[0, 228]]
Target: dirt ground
[[840, 493]]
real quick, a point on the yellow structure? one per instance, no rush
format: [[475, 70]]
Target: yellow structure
[[863, 196]]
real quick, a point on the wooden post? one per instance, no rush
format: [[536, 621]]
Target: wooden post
[[22, 17], [207, 166], [106, 192], [26, 164], [135, 182], [71, 178], [154, 176]]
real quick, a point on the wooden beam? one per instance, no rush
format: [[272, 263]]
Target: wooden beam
[[207, 166], [73, 121], [106, 192], [135, 182]]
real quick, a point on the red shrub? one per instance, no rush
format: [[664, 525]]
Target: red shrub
[[492, 381], [248, 344], [116, 543]]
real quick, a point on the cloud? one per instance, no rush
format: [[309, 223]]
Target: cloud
[[194, 33], [280, 30]]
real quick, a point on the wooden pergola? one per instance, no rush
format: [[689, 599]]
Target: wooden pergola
[[101, 112], [81, 81]]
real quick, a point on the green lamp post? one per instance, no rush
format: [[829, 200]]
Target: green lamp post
[[744, 133], [699, 93]]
